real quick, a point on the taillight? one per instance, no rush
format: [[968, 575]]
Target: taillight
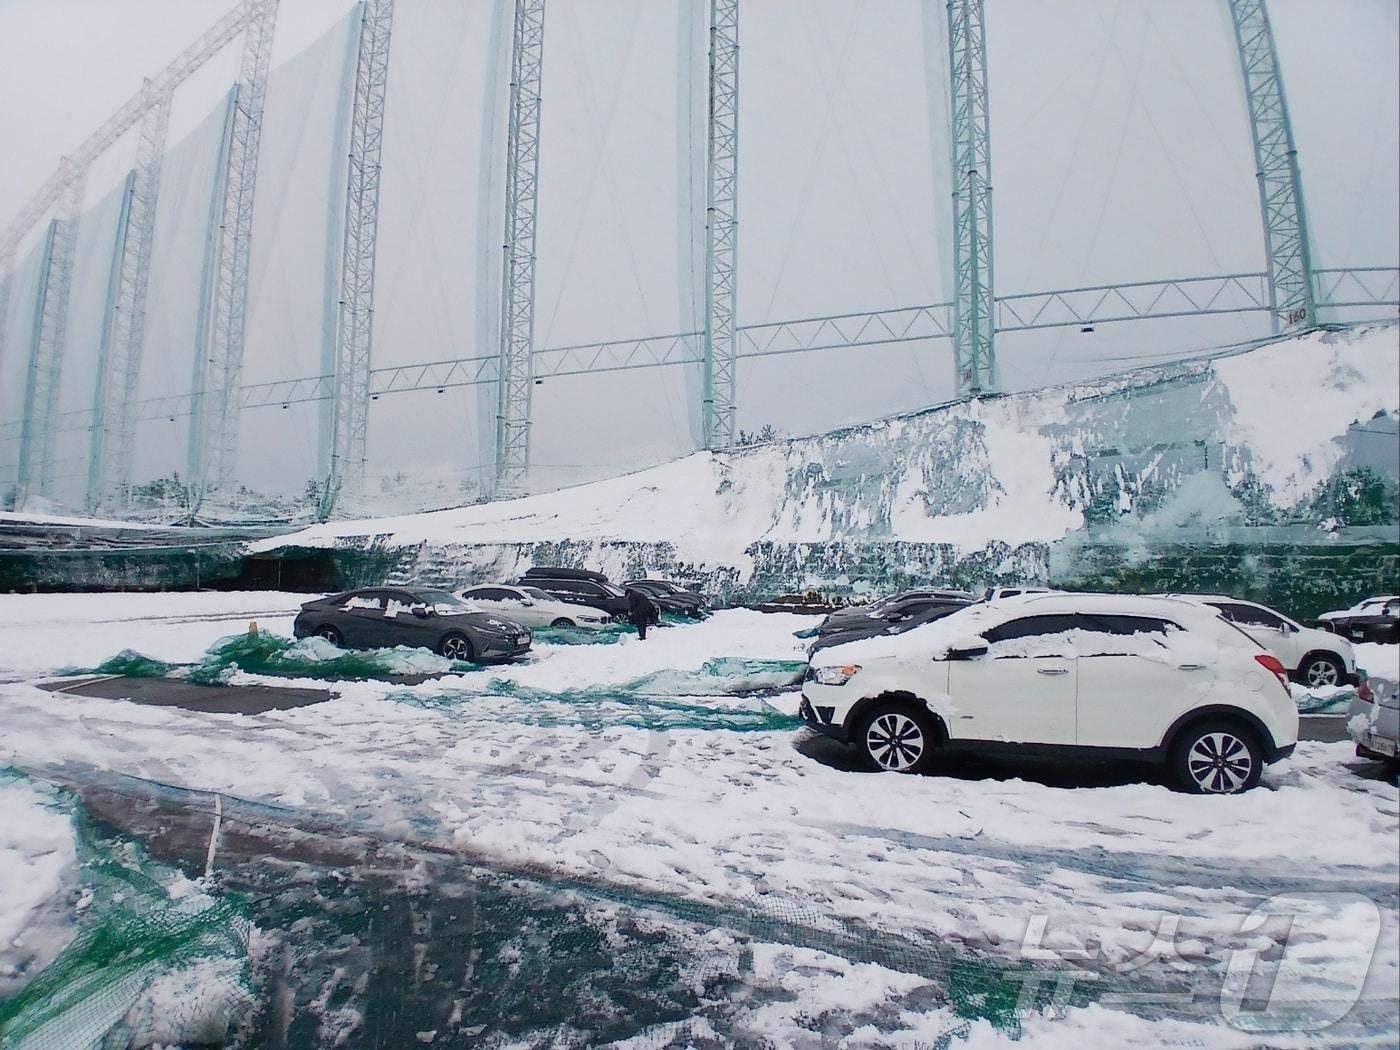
[[1271, 663], [1363, 692]]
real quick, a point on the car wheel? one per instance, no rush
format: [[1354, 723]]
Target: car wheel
[[1321, 669], [1217, 758], [456, 647], [898, 738], [329, 633], [562, 622]]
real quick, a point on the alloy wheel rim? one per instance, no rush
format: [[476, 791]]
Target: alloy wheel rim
[[330, 635], [454, 649], [894, 741], [1220, 763], [1322, 672]]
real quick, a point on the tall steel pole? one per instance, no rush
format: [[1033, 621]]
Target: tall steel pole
[[123, 330], [47, 344], [720, 405], [516, 376], [355, 317], [974, 353], [214, 428], [1276, 161]]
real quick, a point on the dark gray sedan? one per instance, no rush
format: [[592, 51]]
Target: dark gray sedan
[[383, 617]]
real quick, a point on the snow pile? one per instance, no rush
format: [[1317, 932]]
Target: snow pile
[[38, 880], [1006, 470]]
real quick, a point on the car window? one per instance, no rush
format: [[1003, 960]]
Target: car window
[[537, 594], [1392, 609], [366, 604], [1127, 625], [1248, 615], [1032, 626], [496, 594]]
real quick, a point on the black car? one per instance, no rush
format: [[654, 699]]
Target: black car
[[891, 611], [383, 617], [579, 587], [670, 597], [1370, 620], [896, 623]]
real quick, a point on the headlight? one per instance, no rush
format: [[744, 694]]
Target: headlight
[[501, 625], [835, 675]]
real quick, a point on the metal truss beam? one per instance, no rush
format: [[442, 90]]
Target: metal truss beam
[[720, 398], [974, 357], [214, 431], [1276, 161], [124, 326], [46, 346], [210, 43], [515, 376], [1374, 287], [355, 315]]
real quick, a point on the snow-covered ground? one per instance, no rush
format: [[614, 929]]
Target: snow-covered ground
[[676, 767]]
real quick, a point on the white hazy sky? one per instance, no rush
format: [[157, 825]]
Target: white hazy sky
[[1120, 152]]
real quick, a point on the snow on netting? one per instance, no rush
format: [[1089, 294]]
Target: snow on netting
[[365, 941], [155, 960]]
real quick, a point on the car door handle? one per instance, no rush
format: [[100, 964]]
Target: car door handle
[[1190, 667], [1052, 670]]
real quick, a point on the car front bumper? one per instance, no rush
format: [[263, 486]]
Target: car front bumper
[[821, 719], [498, 647]]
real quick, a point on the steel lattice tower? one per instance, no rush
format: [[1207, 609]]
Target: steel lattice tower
[[1276, 160], [722, 227], [219, 349], [355, 316], [47, 344], [123, 331], [974, 356], [516, 375]]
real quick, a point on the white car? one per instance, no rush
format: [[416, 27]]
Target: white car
[[1313, 657], [1080, 674], [533, 607]]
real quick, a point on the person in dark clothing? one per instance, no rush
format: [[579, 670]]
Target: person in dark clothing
[[641, 610]]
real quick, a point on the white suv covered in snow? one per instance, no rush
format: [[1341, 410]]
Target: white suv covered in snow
[[1314, 658], [1080, 674]]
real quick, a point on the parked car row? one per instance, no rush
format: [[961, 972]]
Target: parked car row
[[487, 622]]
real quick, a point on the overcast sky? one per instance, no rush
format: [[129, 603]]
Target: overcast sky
[[1120, 152]]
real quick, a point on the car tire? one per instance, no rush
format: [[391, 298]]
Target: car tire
[[562, 622], [898, 737], [1321, 669], [457, 647], [1216, 757], [330, 634]]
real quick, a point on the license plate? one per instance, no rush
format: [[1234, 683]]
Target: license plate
[[1381, 745]]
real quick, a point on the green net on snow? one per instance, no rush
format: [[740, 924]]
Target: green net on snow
[[156, 961]]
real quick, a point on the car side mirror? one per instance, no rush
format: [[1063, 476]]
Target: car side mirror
[[527, 601], [422, 612], [1287, 628], [968, 649]]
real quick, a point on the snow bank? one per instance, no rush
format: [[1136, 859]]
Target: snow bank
[[1010, 471], [38, 880]]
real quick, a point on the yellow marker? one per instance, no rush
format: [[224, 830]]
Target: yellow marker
[[252, 628]]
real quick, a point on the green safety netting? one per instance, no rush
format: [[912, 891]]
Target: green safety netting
[[156, 960]]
